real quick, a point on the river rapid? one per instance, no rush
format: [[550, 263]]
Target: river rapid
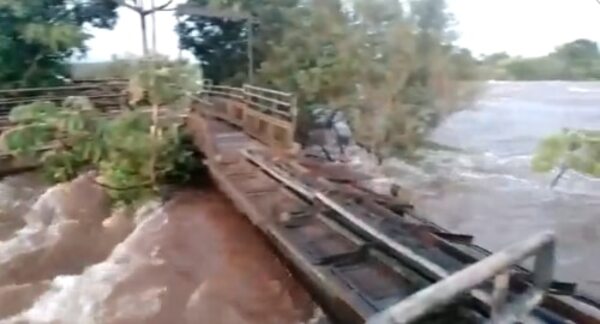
[[484, 184], [195, 259], [66, 257]]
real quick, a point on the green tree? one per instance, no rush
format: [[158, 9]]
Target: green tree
[[389, 68], [315, 58], [571, 150], [221, 44], [496, 58], [392, 69], [464, 65], [539, 68], [577, 60], [580, 58], [38, 36], [581, 50]]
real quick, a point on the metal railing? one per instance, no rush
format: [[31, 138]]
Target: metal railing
[[101, 92], [276, 103], [267, 115], [497, 267]]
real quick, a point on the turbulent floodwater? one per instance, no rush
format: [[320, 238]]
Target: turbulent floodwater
[[65, 257], [487, 187]]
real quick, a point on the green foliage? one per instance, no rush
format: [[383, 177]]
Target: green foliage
[[133, 153], [37, 37], [65, 134], [162, 81], [577, 60], [221, 44], [392, 69], [388, 63], [576, 150], [308, 61]]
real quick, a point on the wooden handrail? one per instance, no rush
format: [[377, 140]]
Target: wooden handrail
[[250, 107], [271, 100], [275, 92]]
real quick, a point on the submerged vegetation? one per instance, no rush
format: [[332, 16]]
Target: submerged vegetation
[[134, 151], [571, 150], [577, 150]]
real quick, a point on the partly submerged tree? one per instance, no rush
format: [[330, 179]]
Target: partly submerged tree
[[37, 37], [577, 150], [571, 150]]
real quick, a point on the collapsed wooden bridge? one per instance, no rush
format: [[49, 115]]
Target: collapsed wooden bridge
[[365, 257]]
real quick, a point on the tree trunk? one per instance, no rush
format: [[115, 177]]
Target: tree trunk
[[154, 45], [144, 34], [154, 137]]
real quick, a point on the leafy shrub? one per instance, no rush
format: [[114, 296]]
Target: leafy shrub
[[576, 150], [133, 152]]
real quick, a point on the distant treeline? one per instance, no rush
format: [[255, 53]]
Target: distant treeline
[[577, 60]]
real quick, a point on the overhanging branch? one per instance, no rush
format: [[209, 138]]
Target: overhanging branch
[[139, 9], [159, 8], [130, 6], [163, 7]]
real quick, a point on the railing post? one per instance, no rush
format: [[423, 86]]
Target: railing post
[[443, 292]]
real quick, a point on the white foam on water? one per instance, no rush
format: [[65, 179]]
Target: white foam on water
[[579, 90], [80, 299], [41, 226]]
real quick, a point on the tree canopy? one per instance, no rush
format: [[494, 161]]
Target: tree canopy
[[576, 60], [38, 36], [389, 64], [221, 44]]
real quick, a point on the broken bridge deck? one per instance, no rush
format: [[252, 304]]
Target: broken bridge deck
[[359, 252]]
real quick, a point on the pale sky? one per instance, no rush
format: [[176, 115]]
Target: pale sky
[[519, 27]]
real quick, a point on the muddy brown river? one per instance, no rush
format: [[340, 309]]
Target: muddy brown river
[[193, 260], [65, 257]]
